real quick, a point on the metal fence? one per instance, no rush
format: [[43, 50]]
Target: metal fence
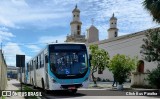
[[3, 72]]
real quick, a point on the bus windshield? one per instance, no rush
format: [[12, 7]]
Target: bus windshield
[[68, 63]]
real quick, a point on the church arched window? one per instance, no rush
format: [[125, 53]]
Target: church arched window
[[78, 27], [140, 66], [78, 32], [115, 34]]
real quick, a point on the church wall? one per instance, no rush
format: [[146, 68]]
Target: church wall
[[111, 33], [73, 29], [113, 23], [128, 46], [76, 16]]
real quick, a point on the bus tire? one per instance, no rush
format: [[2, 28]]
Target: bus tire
[[43, 86], [33, 84]]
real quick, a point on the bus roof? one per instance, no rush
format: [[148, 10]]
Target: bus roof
[[67, 43]]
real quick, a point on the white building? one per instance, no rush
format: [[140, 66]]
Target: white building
[[127, 44]]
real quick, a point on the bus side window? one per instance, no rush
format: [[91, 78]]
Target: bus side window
[[46, 59], [37, 63], [42, 60]]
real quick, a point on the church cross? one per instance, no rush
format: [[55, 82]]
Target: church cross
[[92, 21]]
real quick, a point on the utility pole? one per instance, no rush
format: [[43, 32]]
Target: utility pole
[[1, 45], [20, 62]]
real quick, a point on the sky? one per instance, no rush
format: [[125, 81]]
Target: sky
[[26, 26]]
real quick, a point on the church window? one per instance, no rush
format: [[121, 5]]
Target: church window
[[78, 32], [77, 15], [112, 23], [115, 34], [78, 27], [140, 66], [74, 15]]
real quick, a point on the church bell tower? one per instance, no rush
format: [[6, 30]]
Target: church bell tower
[[75, 27], [113, 30], [76, 23]]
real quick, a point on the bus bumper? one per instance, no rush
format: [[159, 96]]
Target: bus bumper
[[85, 84]]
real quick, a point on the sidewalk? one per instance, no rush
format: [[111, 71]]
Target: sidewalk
[[13, 85], [108, 85]]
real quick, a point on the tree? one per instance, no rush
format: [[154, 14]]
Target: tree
[[153, 6], [154, 78], [151, 47], [99, 60], [121, 66]]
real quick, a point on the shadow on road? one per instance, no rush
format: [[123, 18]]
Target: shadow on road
[[16, 85], [64, 94], [60, 93]]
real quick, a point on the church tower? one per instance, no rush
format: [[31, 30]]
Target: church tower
[[113, 30], [75, 27], [92, 34]]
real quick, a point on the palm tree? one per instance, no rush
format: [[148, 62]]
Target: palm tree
[[153, 6]]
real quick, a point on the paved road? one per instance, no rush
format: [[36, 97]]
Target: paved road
[[102, 93], [96, 93], [91, 93], [13, 85]]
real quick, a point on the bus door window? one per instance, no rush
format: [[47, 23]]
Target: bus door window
[[82, 61]]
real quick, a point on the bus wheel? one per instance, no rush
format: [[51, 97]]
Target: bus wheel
[[43, 87], [33, 84]]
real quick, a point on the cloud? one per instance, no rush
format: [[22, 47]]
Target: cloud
[[5, 36], [51, 13], [15, 12], [131, 15], [52, 39], [10, 50], [3, 28], [34, 48], [6, 22]]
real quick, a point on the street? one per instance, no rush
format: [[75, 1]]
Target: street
[[90, 93]]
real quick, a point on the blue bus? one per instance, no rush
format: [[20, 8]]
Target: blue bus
[[60, 66]]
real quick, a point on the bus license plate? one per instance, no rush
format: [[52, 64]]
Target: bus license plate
[[71, 88]]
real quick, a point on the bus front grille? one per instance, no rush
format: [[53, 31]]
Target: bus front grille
[[73, 85]]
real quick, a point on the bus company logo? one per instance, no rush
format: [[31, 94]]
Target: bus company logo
[[9, 93], [13, 93]]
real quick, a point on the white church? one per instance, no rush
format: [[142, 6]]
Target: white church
[[129, 44]]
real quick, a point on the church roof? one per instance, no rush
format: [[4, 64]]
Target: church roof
[[92, 26], [75, 22], [141, 33], [75, 9], [112, 29], [113, 17]]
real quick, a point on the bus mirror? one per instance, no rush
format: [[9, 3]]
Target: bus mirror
[[46, 59], [90, 57]]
